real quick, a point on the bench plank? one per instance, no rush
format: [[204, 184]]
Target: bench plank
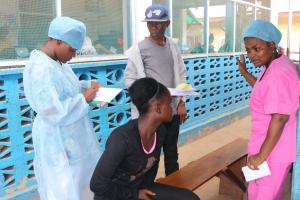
[[198, 172], [232, 182]]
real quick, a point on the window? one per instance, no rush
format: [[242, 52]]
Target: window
[[23, 26], [162, 2], [244, 15], [294, 37], [188, 25], [165, 3], [220, 26], [104, 22], [249, 1], [263, 14], [266, 3]]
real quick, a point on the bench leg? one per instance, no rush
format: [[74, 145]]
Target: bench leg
[[232, 181]]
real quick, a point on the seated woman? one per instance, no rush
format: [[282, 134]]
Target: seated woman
[[128, 166]]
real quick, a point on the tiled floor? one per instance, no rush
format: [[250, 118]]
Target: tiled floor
[[203, 145]]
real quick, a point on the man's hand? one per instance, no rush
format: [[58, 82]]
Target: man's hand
[[145, 194], [181, 111]]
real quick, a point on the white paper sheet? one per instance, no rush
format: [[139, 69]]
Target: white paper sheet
[[179, 92], [250, 174], [107, 94]]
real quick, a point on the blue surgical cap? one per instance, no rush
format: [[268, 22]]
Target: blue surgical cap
[[263, 30], [68, 30]]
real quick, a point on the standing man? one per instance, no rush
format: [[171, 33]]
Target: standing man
[[158, 57]]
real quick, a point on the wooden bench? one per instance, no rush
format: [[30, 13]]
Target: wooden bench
[[225, 162]]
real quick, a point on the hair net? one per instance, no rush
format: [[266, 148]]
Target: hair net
[[263, 30], [68, 30]]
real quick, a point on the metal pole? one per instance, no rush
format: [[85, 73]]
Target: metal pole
[[234, 25], [290, 22], [58, 8], [171, 17], [206, 25], [299, 54]]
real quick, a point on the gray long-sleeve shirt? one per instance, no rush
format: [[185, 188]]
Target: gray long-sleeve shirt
[[135, 68]]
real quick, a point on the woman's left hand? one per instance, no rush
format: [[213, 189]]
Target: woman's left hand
[[254, 161], [181, 111], [90, 93], [96, 85]]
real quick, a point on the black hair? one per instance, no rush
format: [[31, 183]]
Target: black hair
[[145, 89]]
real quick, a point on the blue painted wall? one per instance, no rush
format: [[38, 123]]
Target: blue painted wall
[[223, 94], [296, 168]]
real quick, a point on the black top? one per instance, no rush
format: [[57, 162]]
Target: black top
[[124, 167]]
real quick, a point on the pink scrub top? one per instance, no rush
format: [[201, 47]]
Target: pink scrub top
[[277, 92]]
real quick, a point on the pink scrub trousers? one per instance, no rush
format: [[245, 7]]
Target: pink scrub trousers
[[277, 92]]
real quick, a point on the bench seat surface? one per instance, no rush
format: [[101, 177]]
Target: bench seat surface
[[199, 171]]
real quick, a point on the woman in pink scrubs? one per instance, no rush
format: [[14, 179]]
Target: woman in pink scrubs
[[274, 102]]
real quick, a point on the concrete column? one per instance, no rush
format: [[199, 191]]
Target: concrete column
[[58, 8], [139, 28], [184, 27]]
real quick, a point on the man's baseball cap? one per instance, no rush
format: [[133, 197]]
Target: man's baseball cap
[[156, 13]]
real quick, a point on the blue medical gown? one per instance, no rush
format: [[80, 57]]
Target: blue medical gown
[[66, 148]]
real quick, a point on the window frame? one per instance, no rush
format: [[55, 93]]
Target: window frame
[[129, 32]]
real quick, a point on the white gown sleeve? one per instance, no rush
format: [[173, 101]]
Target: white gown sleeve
[[60, 112], [84, 85], [52, 101], [130, 74]]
